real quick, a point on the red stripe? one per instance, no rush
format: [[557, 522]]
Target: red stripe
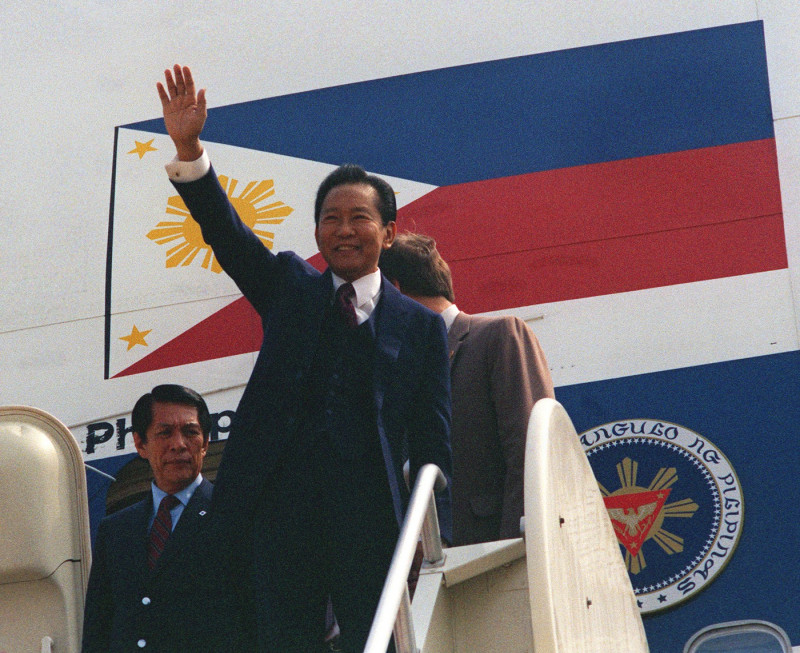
[[570, 233], [608, 228], [236, 329], [619, 265], [160, 530]]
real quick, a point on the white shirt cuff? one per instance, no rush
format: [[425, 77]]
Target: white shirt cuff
[[184, 171]]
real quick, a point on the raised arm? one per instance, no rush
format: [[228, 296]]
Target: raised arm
[[238, 250], [184, 111]]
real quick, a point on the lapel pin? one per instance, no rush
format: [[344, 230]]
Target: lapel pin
[[202, 513]]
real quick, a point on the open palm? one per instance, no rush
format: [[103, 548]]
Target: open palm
[[184, 110]]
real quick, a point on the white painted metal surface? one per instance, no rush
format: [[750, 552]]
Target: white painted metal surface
[[581, 599], [477, 602], [641, 331]]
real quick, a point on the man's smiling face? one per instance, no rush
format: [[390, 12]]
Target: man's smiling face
[[351, 234]]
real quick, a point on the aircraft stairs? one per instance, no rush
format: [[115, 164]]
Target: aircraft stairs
[[561, 588]]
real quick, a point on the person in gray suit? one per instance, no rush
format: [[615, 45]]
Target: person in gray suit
[[498, 371]]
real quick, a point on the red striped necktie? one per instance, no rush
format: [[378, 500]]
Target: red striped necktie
[[161, 530]]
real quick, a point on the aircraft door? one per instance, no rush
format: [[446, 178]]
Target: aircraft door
[[45, 552]]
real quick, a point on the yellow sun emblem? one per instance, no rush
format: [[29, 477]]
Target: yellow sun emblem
[[248, 204], [637, 513]]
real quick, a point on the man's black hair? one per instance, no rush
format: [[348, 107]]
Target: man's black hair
[[353, 174], [169, 393]]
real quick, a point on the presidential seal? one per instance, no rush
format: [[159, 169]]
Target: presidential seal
[[674, 501]]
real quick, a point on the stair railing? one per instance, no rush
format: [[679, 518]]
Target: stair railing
[[394, 608]]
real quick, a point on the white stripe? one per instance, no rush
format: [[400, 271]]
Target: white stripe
[[665, 328]]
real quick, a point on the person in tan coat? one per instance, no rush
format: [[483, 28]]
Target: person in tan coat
[[498, 371]]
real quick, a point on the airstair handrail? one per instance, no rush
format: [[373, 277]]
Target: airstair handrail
[[394, 608]]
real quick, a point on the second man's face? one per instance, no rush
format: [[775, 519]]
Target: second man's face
[[175, 446], [351, 234]]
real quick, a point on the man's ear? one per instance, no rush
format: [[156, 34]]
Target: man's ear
[[140, 445], [390, 231]]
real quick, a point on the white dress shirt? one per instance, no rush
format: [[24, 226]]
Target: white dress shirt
[[368, 292], [449, 315]]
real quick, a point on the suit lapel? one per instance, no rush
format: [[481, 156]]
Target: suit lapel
[[390, 321], [457, 333], [390, 324]]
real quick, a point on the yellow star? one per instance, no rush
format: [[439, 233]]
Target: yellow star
[[143, 148], [135, 338]]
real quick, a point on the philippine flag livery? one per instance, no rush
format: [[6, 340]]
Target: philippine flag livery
[[622, 198], [546, 178]]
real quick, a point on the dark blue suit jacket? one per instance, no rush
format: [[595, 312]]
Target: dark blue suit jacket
[[411, 374], [167, 607]]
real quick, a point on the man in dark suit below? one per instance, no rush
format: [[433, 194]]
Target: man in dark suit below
[[352, 379], [498, 371], [142, 592]]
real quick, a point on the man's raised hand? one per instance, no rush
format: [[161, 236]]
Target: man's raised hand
[[184, 111]]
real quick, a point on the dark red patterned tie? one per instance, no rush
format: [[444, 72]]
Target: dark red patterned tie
[[161, 530], [344, 300]]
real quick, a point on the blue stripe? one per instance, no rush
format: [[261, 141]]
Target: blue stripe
[[749, 409], [514, 116]]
